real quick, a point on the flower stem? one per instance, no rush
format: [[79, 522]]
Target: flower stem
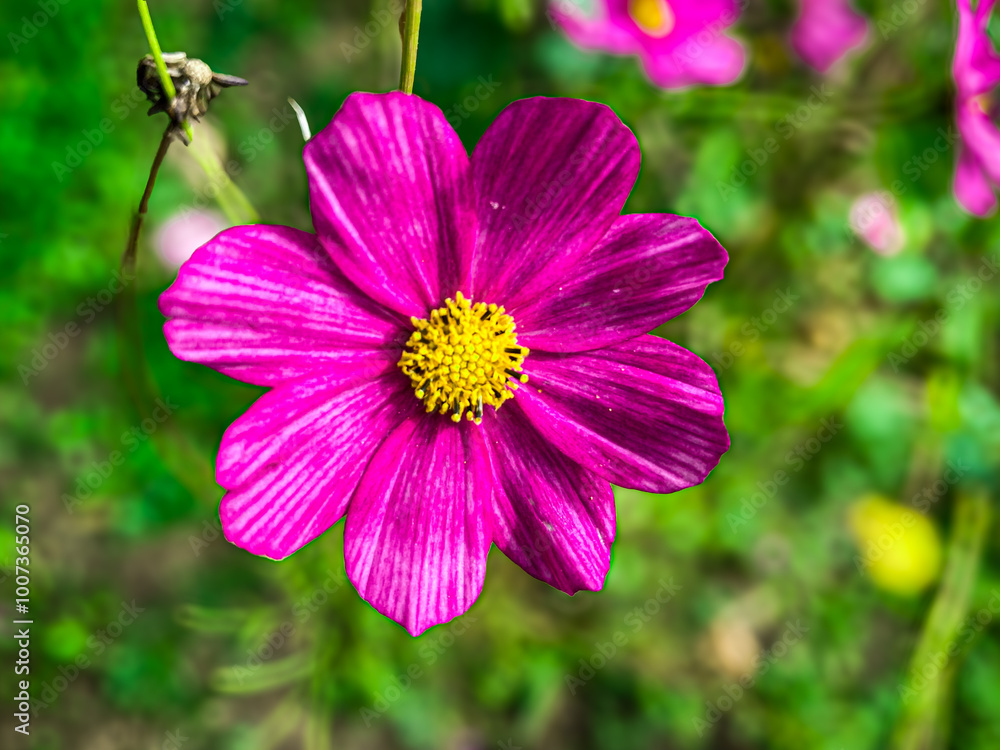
[[923, 722], [410, 32], [161, 67], [185, 461], [128, 258], [233, 202]]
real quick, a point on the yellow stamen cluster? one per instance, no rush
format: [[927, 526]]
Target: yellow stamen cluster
[[655, 17], [464, 356]]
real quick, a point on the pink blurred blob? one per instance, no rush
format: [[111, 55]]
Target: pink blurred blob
[[873, 218], [679, 43], [976, 68], [184, 233], [826, 30]]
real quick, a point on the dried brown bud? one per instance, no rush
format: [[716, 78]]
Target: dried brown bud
[[194, 81]]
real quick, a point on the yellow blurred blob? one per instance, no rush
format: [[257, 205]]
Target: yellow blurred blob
[[899, 547], [653, 16]]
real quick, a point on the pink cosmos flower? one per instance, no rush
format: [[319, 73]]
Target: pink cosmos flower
[[826, 30], [388, 338], [679, 44], [976, 68], [873, 218]]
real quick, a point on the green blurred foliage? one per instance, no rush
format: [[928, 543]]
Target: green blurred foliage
[[809, 329]]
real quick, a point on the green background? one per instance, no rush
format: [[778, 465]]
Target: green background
[[235, 652]]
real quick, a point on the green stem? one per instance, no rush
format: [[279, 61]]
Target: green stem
[[922, 725], [184, 460], [233, 202], [410, 32], [161, 67]]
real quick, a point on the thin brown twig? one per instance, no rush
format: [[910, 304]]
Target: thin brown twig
[[128, 258]]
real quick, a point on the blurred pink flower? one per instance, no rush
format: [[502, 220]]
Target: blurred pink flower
[[873, 218], [826, 30], [184, 233], [976, 68], [680, 44]]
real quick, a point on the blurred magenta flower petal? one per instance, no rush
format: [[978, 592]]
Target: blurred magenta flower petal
[[680, 44], [873, 218], [976, 68], [395, 422], [826, 30], [177, 239]]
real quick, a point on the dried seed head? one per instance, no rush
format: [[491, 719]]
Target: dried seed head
[[194, 81]]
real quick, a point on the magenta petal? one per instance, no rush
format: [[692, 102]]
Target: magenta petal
[[716, 61], [266, 304], [645, 271], [597, 32], [418, 530], [972, 187], [644, 414], [550, 515], [551, 177], [292, 461], [826, 30], [391, 194], [976, 65], [981, 136]]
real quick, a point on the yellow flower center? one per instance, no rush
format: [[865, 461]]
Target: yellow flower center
[[653, 16], [465, 355]]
